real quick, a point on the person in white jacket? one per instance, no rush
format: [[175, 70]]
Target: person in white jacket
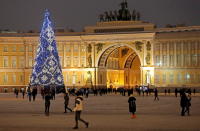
[[78, 108]]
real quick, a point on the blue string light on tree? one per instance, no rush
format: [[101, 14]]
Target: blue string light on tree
[[47, 69]]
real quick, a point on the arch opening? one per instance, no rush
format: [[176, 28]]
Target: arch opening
[[119, 66]]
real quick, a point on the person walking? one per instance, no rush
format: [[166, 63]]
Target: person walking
[[189, 98], [176, 92], [132, 106], [156, 94], [78, 109], [47, 98], [66, 102], [183, 103]]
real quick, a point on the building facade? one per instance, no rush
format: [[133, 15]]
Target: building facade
[[116, 53]]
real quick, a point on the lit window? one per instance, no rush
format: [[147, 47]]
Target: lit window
[[5, 79], [83, 60], [61, 61], [164, 78], [21, 62], [21, 48], [14, 78], [14, 62], [5, 61], [68, 48], [158, 61], [179, 79], [75, 61], [164, 60], [178, 60], [30, 48], [21, 78], [75, 48], [68, 61], [30, 61], [171, 78], [194, 60], [14, 48], [171, 60], [83, 49], [5, 49]]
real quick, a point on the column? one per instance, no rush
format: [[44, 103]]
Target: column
[[64, 55], [72, 54], [161, 54], [168, 57], [175, 55], [190, 52], [26, 55], [182, 54], [79, 54]]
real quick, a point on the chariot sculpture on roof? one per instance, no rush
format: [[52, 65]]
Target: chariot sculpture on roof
[[123, 14]]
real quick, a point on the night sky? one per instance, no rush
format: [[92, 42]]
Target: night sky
[[28, 14]]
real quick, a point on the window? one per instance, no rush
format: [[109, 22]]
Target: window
[[30, 61], [158, 60], [21, 48], [187, 77], [164, 46], [21, 78], [178, 47], [68, 61], [194, 60], [164, 60], [14, 48], [75, 61], [171, 78], [14, 78], [171, 60], [75, 48], [5, 78], [186, 60], [5, 48], [30, 48], [21, 62], [83, 60], [61, 61], [67, 77], [83, 49], [178, 60], [179, 78], [171, 46], [157, 47], [68, 48], [5, 61], [164, 78], [60, 47], [14, 61]]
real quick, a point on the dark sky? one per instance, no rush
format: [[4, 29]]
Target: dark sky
[[75, 14]]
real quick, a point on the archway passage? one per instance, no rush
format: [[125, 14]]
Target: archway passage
[[119, 66]]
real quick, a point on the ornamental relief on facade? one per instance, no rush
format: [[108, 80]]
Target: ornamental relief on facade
[[138, 45], [99, 47]]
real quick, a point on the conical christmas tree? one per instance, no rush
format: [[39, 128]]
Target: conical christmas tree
[[47, 69]]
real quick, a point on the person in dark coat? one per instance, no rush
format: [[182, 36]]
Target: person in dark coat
[[183, 103], [132, 106], [156, 94], [188, 104], [47, 98], [176, 92], [66, 102]]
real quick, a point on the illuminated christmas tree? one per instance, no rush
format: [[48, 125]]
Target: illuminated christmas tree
[[47, 69]]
